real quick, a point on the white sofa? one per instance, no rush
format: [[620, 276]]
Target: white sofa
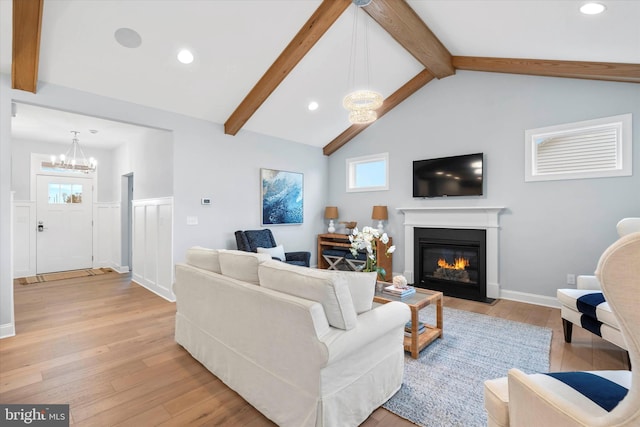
[[305, 347]]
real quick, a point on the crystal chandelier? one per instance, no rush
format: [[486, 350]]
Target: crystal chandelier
[[74, 159], [361, 103]]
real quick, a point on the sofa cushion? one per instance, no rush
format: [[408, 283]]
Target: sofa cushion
[[330, 290], [275, 252], [362, 287], [204, 258], [601, 311], [242, 265]]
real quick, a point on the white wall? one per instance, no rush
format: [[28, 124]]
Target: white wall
[[550, 228], [21, 161], [150, 159]]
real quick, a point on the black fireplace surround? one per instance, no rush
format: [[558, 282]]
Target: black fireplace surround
[[453, 261]]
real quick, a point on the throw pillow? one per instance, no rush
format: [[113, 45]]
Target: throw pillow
[[277, 252], [207, 259], [328, 289], [242, 265], [362, 287]]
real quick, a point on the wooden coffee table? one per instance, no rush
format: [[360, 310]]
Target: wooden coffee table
[[420, 299]]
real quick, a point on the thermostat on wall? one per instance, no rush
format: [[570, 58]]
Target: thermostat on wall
[[205, 201]]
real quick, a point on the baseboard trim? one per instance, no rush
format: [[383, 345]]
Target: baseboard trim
[[542, 300], [120, 268], [7, 330], [168, 295]]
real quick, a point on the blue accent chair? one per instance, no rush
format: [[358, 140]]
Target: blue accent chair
[[251, 240]]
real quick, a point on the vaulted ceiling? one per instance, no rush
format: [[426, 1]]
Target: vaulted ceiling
[[259, 63]]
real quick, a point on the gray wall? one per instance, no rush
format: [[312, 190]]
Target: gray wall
[[205, 163], [549, 228], [6, 283]]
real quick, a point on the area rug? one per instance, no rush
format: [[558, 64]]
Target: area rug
[[444, 386], [48, 277]]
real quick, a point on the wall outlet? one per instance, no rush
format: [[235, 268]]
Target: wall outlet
[[571, 279]]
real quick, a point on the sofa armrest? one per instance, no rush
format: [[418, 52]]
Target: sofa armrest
[[371, 325], [304, 257], [588, 282]]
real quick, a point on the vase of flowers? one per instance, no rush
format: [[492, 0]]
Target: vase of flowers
[[366, 240]]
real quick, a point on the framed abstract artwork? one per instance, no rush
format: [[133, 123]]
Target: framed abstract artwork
[[282, 197]]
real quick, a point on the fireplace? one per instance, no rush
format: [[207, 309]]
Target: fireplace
[[452, 261], [483, 218]]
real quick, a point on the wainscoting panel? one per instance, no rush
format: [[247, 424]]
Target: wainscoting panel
[[24, 238], [152, 245]]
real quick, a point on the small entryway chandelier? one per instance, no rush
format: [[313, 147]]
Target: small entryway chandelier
[[74, 159], [361, 103]]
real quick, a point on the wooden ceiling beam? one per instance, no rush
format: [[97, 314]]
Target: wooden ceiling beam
[[609, 71], [406, 27], [389, 103], [27, 27], [321, 20]]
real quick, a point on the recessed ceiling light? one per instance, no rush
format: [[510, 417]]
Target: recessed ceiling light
[[592, 8], [185, 56], [313, 106], [128, 37]]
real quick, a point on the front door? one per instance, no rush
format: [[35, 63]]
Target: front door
[[64, 223]]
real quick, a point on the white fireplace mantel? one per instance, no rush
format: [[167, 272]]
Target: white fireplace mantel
[[472, 217]]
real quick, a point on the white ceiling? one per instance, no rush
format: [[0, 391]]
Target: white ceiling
[[236, 41]]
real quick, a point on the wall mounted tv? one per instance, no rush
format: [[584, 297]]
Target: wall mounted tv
[[448, 176]]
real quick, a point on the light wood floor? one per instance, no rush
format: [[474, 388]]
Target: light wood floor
[[105, 346]]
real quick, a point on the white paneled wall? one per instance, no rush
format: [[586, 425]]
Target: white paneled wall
[[24, 238], [152, 245]]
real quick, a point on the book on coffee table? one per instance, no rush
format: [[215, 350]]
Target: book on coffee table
[[407, 328], [392, 290]]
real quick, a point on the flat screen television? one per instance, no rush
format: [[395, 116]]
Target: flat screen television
[[448, 176]]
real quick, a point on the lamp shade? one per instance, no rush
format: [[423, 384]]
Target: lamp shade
[[331, 212], [380, 213]]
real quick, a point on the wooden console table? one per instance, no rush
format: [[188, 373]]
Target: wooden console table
[[341, 241]]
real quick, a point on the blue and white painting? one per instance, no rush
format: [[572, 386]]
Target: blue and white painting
[[282, 197]]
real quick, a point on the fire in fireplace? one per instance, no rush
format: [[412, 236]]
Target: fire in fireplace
[[455, 271], [452, 261]]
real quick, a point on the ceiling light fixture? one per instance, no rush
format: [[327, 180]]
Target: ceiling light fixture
[[361, 103], [592, 8], [185, 56], [313, 106], [74, 159]]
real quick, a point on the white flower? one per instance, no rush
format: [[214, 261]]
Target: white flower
[[391, 249], [384, 239]]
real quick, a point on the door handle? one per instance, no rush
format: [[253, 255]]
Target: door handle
[[40, 227]]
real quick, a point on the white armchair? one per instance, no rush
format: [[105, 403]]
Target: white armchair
[[586, 306], [593, 399]]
